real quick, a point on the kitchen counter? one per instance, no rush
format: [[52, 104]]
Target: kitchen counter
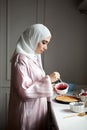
[[71, 123]]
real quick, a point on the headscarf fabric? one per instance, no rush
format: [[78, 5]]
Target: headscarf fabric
[[30, 38]]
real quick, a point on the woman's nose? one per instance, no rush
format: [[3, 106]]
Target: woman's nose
[[45, 47]]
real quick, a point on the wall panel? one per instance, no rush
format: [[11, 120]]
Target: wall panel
[[20, 14], [15, 16]]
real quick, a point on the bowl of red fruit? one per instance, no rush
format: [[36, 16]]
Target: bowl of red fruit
[[61, 88], [83, 96]]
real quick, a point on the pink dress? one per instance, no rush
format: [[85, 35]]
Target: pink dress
[[29, 93]]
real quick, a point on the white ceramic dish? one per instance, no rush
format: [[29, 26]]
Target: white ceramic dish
[[83, 96], [76, 106], [61, 88]]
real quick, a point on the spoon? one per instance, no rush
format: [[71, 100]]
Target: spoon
[[79, 114], [58, 81]]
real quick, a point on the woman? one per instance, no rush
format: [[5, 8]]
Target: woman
[[31, 89]]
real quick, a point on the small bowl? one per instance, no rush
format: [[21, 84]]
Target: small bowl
[[61, 88], [83, 96], [76, 106]]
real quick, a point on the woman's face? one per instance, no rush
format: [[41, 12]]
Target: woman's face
[[42, 46]]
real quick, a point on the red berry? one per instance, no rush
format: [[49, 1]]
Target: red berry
[[62, 86], [84, 94]]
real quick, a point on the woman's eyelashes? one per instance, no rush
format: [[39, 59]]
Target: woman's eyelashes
[[45, 42]]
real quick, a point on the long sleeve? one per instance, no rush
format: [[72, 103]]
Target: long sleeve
[[27, 84]]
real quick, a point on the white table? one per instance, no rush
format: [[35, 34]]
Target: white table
[[72, 123]]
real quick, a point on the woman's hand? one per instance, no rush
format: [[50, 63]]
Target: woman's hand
[[54, 76]]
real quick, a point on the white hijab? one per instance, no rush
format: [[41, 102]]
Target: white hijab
[[29, 40]]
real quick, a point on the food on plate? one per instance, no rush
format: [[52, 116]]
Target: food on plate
[[67, 99]]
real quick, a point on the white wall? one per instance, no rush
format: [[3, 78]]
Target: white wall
[[66, 52], [68, 49]]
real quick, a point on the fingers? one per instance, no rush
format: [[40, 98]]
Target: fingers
[[54, 76], [57, 75]]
